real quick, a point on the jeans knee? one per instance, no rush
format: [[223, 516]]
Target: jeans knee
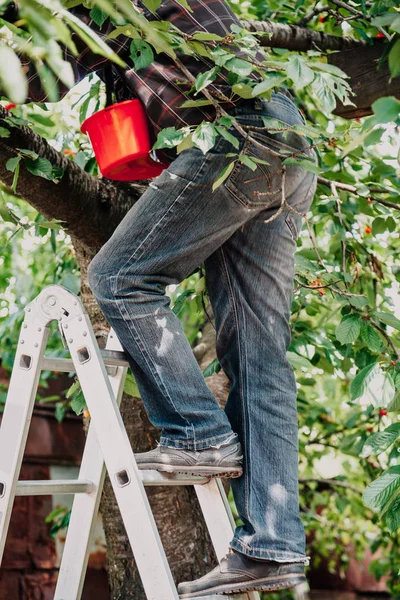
[[96, 274]]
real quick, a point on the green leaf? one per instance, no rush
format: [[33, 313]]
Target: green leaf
[[204, 79], [378, 225], [55, 224], [98, 16], [348, 330], [269, 82], [394, 406], [42, 120], [4, 132], [228, 136], [361, 380], [394, 59], [181, 299], [249, 162], [371, 337], [207, 37], [94, 42], [60, 410], [323, 92], [384, 20], [186, 143], [13, 82], [386, 109], [299, 72], [379, 493], [297, 361], [388, 319], [152, 5], [379, 442], [243, 90], [185, 4], [141, 54], [73, 389], [78, 403], [40, 167], [374, 385], [130, 386], [352, 444], [170, 137], [239, 66], [307, 164], [12, 163], [392, 516], [226, 171], [195, 103], [204, 136], [213, 367]]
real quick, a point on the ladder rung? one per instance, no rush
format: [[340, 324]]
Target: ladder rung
[[75, 486], [112, 358], [156, 478], [54, 486]]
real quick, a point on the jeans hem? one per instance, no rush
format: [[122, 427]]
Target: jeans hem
[[212, 442], [269, 554]]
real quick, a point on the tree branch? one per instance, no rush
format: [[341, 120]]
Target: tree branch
[[91, 207], [297, 38]]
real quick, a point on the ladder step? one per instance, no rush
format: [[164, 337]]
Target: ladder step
[[112, 358], [157, 478], [75, 486], [54, 486]]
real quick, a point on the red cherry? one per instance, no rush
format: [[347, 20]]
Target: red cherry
[[383, 412], [369, 428], [10, 106], [368, 230], [379, 35], [321, 19]]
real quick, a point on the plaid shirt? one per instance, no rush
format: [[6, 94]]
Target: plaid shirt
[[162, 85]]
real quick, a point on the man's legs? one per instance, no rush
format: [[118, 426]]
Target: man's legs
[[174, 227], [250, 282]]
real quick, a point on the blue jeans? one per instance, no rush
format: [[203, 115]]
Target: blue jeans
[[178, 224]]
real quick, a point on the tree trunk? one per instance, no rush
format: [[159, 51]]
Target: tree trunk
[[176, 510]]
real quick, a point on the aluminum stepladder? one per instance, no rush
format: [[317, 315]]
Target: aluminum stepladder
[[102, 375]]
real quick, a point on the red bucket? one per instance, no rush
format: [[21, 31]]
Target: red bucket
[[120, 138]]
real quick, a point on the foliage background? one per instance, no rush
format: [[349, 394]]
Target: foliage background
[[345, 325]]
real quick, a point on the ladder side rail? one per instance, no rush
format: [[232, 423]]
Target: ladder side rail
[[18, 411], [85, 507], [220, 523], [119, 458]]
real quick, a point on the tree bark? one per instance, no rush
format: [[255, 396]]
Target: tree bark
[[293, 37], [367, 80]]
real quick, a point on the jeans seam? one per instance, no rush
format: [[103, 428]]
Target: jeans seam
[[263, 550], [198, 442], [235, 319], [156, 225], [145, 354]]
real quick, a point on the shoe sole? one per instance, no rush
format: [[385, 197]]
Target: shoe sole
[[266, 584], [227, 472]]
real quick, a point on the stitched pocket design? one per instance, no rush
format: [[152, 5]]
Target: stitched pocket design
[[261, 187]]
